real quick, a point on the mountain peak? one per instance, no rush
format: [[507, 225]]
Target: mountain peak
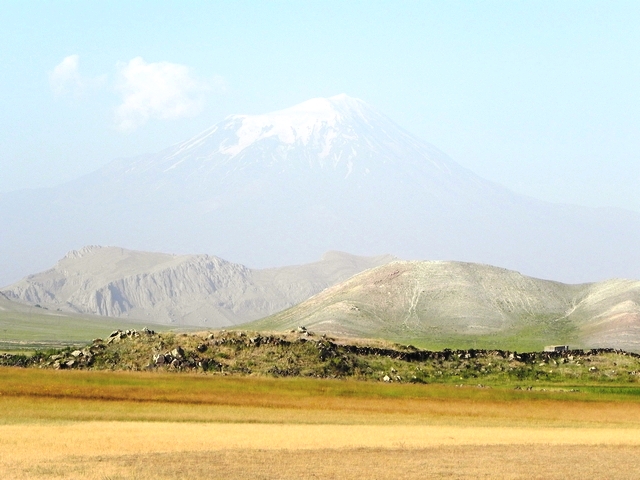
[[318, 117], [342, 136], [338, 105]]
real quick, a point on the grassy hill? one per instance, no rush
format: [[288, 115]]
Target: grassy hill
[[303, 354], [463, 305]]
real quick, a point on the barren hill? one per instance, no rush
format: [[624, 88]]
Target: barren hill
[[455, 304], [179, 289]]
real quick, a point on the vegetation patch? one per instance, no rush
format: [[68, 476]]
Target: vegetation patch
[[304, 354]]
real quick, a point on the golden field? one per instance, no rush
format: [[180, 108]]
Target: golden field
[[106, 425]]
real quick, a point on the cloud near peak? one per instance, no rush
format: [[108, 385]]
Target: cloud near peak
[[65, 77], [160, 90]]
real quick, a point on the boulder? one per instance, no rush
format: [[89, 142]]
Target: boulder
[[177, 352]]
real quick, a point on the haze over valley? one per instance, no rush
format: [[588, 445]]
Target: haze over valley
[[285, 187]]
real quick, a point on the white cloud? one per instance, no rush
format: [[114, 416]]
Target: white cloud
[[160, 90], [65, 77]]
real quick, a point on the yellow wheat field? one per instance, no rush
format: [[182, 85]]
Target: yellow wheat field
[[153, 449], [91, 426]]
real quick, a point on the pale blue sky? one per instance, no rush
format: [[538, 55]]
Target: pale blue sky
[[543, 97]]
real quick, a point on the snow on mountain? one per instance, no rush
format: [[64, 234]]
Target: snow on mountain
[[338, 133], [328, 174]]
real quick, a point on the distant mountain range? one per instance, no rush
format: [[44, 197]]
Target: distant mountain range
[[179, 289], [430, 304], [456, 305], [328, 174]]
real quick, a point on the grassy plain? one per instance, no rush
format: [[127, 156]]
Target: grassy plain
[[144, 425], [27, 327]]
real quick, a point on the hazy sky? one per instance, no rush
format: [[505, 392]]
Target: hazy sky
[[543, 97]]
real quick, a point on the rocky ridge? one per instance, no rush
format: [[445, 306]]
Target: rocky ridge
[[179, 289]]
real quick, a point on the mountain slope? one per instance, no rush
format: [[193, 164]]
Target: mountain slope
[[180, 289], [328, 174], [454, 304]]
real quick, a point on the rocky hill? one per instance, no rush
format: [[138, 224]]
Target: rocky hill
[[179, 289], [457, 305]]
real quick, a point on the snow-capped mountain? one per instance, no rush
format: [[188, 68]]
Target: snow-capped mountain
[[328, 174], [338, 140]]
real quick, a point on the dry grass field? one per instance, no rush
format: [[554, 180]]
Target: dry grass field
[[119, 425]]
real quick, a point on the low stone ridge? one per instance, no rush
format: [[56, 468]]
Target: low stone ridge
[[303, 353]]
